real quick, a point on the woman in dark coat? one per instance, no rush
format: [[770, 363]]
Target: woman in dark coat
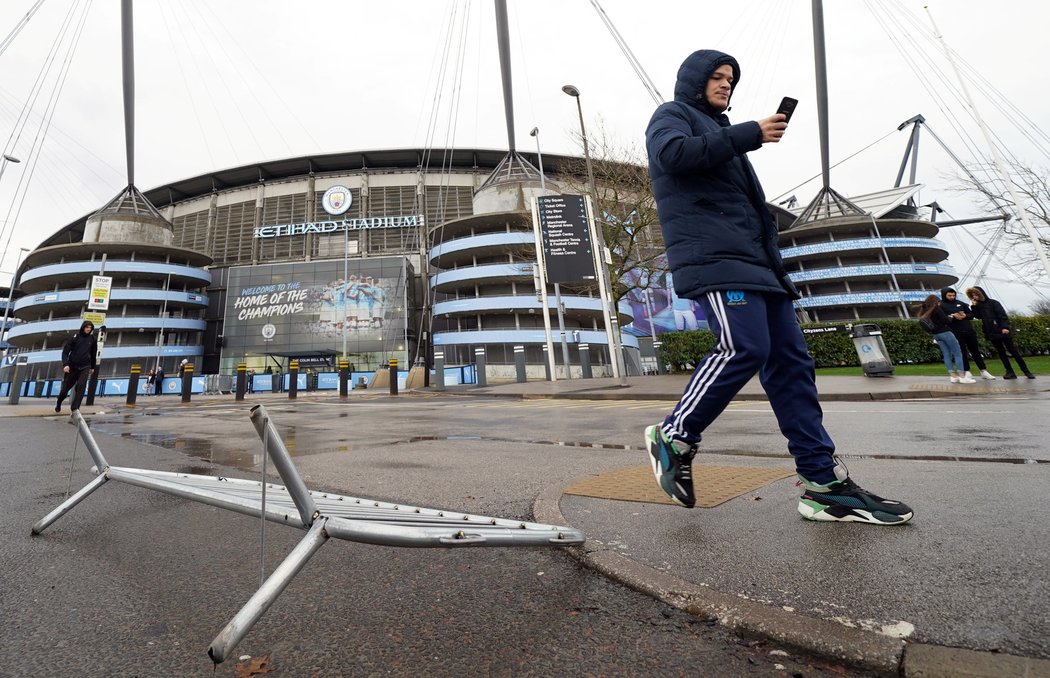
[[996, 326]]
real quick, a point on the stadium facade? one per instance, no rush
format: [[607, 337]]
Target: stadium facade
[[253, 268], [249, 264]]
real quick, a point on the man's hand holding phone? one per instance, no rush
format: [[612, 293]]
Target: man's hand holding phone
[[774, 126]]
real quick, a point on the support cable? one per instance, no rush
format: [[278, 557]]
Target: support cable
[[25, 178], [185, 81], [227, 88], [636, 65], [19, 26]]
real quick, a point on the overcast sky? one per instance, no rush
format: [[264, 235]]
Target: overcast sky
[[225, 84]]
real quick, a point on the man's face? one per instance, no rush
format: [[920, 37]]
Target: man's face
[[719, 87], [88, 329], [949, 296]]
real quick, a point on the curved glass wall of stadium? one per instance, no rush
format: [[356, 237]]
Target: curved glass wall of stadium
[[156, 308]]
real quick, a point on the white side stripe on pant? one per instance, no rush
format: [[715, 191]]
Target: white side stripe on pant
[[707, 374]]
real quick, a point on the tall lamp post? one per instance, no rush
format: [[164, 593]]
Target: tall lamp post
[[10, 294], [603, 272]]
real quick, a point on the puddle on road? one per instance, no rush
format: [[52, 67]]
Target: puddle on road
[[246, 456]]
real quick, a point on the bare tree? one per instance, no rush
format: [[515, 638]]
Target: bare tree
[[1033, 186], [1040, 307], [625, 210]]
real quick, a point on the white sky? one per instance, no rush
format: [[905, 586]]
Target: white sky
[[224, 84]]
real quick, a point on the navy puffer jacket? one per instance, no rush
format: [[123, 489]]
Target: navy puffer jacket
[[717, 229]]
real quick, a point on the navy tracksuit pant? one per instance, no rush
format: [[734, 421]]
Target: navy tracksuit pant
[[757, 332]]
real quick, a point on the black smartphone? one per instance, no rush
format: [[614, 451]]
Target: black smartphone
[[787, 107]]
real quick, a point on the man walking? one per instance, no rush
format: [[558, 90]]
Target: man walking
[[722, 250], [78, 362], [960, 316]]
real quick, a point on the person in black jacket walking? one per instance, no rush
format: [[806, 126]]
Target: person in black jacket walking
[[960, 316], [722, 251], [996, 326], [78, 362]]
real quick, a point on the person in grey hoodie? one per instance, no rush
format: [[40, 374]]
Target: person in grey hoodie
[[78, 362]]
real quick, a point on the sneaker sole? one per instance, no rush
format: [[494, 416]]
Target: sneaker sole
[[853, 516], [654, 460]]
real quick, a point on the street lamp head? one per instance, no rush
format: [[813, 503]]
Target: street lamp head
[[571, 91], [535, 131], [11, 158]]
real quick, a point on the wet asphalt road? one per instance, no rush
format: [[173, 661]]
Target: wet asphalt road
[[137, 583]]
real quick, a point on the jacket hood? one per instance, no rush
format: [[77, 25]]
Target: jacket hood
[[87, 323], [984, 295], [694, 73], [945, 291]]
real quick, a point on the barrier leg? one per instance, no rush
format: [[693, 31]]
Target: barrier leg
[[68, 504], [267, 593]]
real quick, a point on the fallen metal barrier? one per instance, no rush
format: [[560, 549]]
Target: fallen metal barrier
[[322, 514]]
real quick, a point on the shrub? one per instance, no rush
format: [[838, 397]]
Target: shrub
[[906, 342]]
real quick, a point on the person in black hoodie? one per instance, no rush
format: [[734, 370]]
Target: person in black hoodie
[[960, 317], [996, 326], [78, 362]]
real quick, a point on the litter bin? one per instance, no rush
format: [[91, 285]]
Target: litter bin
[[871, 349]]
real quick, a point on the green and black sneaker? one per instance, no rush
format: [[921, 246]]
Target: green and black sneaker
[[845, 501], [672, 467]]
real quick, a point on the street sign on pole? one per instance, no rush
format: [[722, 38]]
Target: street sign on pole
[[567, 247], [100, 288], [96, 319]]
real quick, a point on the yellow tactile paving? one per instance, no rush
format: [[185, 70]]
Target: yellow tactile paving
[[713, 485]]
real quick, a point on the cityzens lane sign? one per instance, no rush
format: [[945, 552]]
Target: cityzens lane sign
[[326, 227]]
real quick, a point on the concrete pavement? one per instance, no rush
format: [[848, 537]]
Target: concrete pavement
[[855, 593]]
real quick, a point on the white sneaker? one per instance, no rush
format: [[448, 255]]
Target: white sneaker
[[954, 379], [966, 375], [967, 380], [985, 374]]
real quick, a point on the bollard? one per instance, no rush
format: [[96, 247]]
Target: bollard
[[133, 384], [344, 378], [546, 363], [393, 376], [479, 362], [585, 361], [293, 380], [519, 364], [660, 367], [16, 380], [242, 380], [439, 370], [92, 387], [187, 381]]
